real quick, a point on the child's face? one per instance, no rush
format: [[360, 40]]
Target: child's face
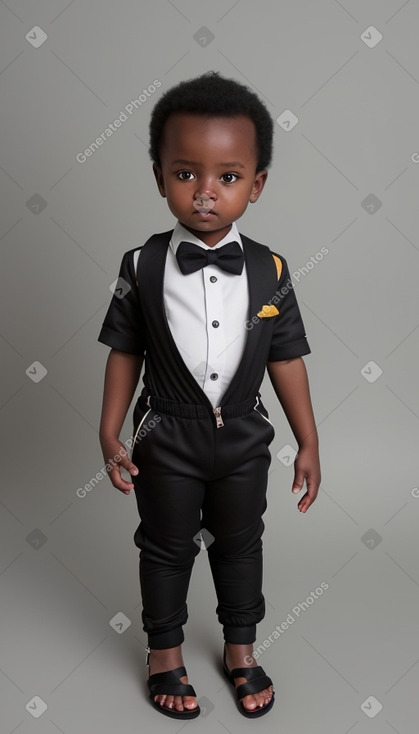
[[208, 162]]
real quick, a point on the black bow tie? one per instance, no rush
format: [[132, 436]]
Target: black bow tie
[[192, 257]]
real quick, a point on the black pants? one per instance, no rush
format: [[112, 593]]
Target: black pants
[[187, 468]]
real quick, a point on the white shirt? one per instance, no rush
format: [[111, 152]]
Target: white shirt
[[206, 317]]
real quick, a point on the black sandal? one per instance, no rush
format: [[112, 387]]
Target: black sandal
[[169, 684], [257, 681]]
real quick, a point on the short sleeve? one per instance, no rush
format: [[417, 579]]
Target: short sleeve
[[124, 327], [289, 337]]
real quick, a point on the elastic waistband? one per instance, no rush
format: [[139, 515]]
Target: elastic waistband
[[190, 410]]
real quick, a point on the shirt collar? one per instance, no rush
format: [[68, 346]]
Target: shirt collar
[[181, 234]]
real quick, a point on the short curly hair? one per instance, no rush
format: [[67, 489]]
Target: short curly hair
[[213, 95]]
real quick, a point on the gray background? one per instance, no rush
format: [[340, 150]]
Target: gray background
[[345, 178]]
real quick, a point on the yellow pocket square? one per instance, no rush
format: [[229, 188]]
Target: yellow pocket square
[[268, 311]]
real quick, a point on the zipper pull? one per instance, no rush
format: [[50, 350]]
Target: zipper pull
[[217, 413]]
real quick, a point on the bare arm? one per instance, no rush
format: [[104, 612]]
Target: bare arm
[[121, 379], [290, 382]]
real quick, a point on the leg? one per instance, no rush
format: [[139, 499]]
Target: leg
[[161, 661], [238, 656], [169, 507], [232, 512]]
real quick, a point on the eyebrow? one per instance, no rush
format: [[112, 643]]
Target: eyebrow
[[226, 164]]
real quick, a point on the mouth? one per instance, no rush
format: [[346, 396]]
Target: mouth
[[205, 212], [204, 205]]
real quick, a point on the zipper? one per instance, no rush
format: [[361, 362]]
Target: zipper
[[136, 433], [263, 416], [217, 413]]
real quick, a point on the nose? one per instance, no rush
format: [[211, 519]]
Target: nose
[[205, 190], [204, 196]]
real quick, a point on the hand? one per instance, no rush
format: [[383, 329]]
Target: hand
[[306, 466], [115, 454]]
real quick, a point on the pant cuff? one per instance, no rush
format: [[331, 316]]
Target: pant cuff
[[240, 635], [171, 638]]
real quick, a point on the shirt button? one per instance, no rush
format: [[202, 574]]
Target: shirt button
[[215, 324], [214, 376], [213, 279]]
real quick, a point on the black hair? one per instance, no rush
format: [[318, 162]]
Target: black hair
[[213, 95]]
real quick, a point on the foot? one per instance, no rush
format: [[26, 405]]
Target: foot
[[161, 661], [239, 656]]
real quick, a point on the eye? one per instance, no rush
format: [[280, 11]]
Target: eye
[[184, 175], [230, 176]]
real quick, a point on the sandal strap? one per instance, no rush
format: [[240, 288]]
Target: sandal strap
[[245, 689], [249, 673], [168, 683], [257, 680]]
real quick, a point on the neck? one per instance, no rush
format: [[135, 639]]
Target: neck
[[209, 238]]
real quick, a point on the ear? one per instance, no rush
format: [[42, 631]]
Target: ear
[[159, 179], [258, 184]]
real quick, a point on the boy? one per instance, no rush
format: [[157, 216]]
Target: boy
[[210, 309]]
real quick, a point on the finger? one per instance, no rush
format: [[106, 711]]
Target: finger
[[118, 481], [125, 462], [312, 488], [129, 466], [304, 503], [298, 482]]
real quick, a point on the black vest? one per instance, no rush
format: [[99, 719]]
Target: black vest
[[166, 374]]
